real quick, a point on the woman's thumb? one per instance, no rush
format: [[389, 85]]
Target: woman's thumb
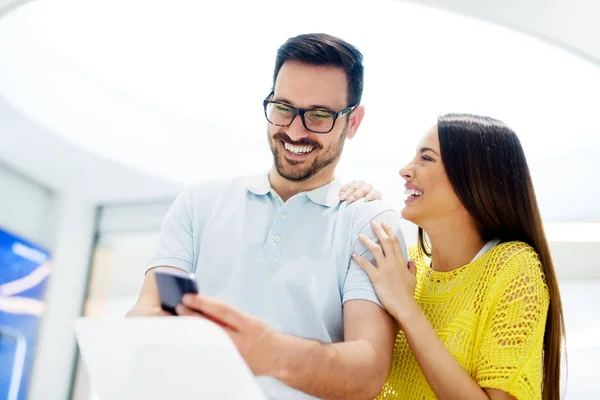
[[412, 267]]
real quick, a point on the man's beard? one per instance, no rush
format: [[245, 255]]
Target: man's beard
[[300, 174]]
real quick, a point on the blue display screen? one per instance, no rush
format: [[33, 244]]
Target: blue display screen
[[24, 271]]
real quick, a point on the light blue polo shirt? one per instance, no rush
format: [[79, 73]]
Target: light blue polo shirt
[[289, 264]]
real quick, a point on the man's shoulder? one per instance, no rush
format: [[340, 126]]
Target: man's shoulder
[[367, 208], [357, 217], [206, 194], [362, 212]]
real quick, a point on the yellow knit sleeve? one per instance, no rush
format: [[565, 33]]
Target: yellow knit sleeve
[[511, 352]]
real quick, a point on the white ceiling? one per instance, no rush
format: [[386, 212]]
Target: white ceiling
[[65, 167], [571, 24], [142, 111]]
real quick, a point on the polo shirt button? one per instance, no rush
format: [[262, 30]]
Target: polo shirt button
[[277, 238], [284, 216]]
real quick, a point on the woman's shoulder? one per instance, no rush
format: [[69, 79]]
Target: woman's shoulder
[[506, 259], [514, 256], [516, 266]]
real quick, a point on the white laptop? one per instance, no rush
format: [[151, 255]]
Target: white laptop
[[163, 358]]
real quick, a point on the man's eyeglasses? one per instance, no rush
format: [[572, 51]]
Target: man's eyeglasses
[[314, 120]]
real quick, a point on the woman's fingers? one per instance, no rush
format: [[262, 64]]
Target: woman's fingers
[[385, 240], [356, 190], [395, 241], [412, 268], [366, 265], [374, 249]]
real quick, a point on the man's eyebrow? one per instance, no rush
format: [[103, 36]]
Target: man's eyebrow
[[286, 101]]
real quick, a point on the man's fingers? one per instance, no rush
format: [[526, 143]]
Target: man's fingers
[[186, 311], [215, 309]]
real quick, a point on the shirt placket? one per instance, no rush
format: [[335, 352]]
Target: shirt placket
[[279, 228]]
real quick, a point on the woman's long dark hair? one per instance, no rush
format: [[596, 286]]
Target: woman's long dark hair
[[487, 169]]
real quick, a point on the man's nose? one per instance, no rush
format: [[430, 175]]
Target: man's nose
[[296, 130]]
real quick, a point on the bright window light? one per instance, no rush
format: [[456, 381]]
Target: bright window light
[[572, 232], [177, 91]]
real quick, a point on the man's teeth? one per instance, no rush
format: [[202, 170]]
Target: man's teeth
[[412, 192], [298, 149]]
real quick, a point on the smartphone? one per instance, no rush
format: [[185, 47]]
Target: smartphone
[[172, 286]]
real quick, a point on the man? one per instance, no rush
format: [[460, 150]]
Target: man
[[272, 253]]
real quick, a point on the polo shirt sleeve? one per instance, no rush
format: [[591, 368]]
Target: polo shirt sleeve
[[175, 246], [357, 285]]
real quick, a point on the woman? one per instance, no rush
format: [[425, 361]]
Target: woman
[[479, 309]]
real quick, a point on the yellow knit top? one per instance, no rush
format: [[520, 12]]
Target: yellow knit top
[[490, 314]]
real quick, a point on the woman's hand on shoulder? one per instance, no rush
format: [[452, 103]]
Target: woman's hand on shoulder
[[393, 277], [356, 190]]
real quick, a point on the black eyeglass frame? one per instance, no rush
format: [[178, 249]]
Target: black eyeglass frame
[[302, 111]]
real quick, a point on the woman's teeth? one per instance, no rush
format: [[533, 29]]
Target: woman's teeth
[[412, 193]]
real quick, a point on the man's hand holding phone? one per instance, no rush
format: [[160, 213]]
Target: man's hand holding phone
[[260, 345], [162, 291], [172, 286]]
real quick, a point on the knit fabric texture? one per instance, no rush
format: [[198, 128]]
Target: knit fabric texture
[[491, 316]]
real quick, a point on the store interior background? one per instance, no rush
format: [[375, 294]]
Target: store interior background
[[108, 109]]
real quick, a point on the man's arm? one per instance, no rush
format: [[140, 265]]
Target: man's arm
[[358, 367], [174, 250], [354, 369], [148, 303]]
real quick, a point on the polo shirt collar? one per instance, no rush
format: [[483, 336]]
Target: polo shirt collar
[[326, 195]]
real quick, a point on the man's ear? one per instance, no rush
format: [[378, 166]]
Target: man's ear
[[356, 117]]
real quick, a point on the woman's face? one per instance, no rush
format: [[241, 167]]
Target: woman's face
[[429, 194]]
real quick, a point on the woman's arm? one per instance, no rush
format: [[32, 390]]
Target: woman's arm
[[395, 282]]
